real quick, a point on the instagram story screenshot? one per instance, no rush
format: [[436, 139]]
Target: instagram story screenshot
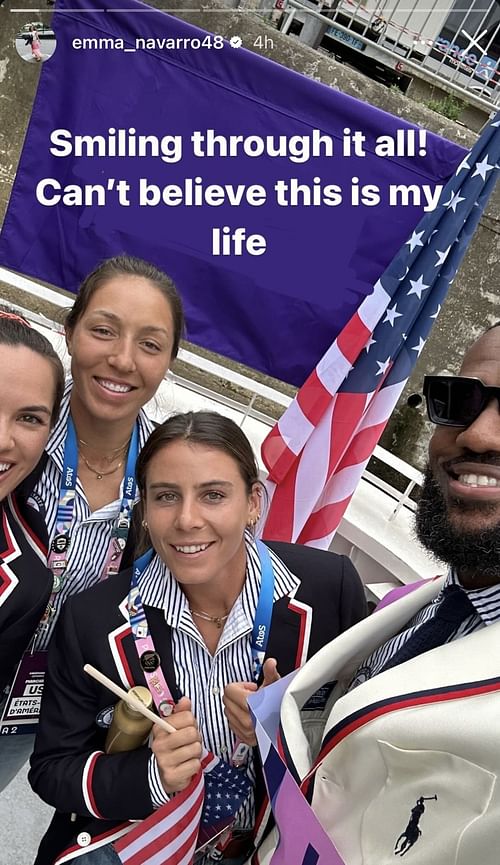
[[200, 220]]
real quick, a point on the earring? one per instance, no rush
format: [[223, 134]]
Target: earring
[[253, 522], [144, 525]]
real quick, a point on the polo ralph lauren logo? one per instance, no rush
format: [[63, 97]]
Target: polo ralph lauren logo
[[412, 832]]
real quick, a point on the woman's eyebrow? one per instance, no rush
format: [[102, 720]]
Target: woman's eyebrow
[[33, 408], [215, 483], [112, 316]]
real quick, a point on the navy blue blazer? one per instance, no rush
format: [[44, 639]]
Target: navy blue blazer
[[109, 791]]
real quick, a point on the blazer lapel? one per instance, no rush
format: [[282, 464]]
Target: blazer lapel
[[290, 634], [459, 669], [124, 653], [339, 659], [120, 639]]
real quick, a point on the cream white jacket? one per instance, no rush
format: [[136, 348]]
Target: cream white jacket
[[427, 728]]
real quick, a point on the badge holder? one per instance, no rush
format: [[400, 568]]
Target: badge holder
[[22, 708]]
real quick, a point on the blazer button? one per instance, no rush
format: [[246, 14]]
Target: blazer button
[[83, 839]]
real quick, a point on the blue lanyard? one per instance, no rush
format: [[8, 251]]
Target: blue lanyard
[[137, 616], [121, 527], [264, 611], [58, 555]]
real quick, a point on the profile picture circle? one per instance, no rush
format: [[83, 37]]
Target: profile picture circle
[[35, 42]]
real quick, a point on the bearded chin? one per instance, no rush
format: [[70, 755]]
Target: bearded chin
[[465, 551]]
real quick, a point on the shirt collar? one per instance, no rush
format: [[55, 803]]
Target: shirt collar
[[486, 600], [160, 589]]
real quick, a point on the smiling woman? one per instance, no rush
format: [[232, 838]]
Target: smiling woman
[[30, 394], [213, 614], [120, 349], [122, 333]]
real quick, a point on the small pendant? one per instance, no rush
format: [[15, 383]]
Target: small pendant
[[218, 622], [99, 477]]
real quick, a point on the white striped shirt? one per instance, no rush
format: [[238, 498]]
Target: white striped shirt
[[486, 603], [90, 531], [201, 676]]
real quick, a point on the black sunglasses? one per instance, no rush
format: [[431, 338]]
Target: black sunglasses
[[455, 400]]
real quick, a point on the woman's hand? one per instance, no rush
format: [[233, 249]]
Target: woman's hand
[[236, 703], [178, 754]]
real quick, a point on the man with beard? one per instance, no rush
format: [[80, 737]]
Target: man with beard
[[413, 693], [458, 518], [458, 513]]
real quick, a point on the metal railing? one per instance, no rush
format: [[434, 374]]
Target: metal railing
[[251, 386], [456, 44]]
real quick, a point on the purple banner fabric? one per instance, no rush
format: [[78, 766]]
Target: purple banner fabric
[[397, 593], [278, 309], [302, 839], [265, 705]]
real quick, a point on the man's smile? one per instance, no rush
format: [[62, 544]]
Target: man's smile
[[473, 478]]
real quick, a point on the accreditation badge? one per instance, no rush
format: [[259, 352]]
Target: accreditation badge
[[22, 708]]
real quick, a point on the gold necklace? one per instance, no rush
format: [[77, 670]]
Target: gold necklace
[[217, 620], [115, 452], [100, 475]]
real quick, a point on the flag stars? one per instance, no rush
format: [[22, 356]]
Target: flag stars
[[392, 314], [482, 168], [464, 164], [438, 310], [369, 344], [417, 287], [415, 240], [383, 366], [418, 348], [454, 201], [442, 256]]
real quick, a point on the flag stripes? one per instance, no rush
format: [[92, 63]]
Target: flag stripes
[[317, 452]]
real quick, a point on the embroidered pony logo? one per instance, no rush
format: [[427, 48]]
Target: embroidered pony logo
[[412, 832]]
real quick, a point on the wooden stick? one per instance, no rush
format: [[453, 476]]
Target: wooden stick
[[128, 698]]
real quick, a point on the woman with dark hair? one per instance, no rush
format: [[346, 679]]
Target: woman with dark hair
[[30, 394], [122, 334], [201, 619]]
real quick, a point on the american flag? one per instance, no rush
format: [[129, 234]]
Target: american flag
[[189, 820], [316, 453]]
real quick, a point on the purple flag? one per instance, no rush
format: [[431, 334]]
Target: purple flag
[[138, 80], [302, 839]]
